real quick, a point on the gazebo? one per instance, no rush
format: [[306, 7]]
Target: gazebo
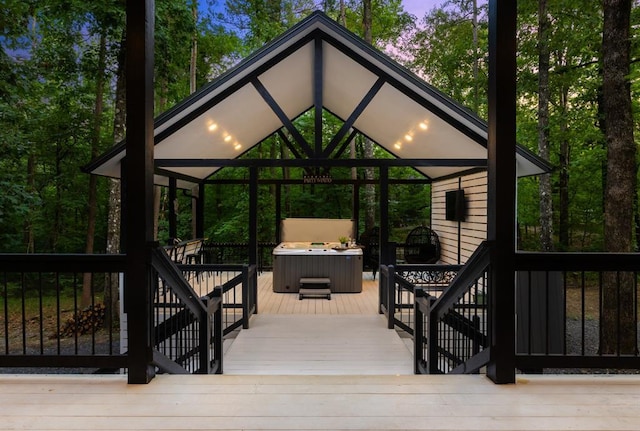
[[314, 67]]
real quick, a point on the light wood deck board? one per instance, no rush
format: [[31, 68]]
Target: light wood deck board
[[315, 344], [319, 403], [270, 302]]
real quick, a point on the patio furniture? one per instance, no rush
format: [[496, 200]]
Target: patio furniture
[[422, 246]]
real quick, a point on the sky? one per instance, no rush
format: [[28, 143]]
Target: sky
[[420, 7]]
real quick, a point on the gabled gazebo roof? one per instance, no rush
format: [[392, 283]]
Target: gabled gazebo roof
[[317, 64]]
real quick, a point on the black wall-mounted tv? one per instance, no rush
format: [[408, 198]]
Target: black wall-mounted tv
[[455, 205]]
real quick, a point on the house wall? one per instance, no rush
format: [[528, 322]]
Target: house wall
[[458, 240]]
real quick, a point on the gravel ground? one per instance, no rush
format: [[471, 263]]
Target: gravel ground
[[591, 341], [66, 349]]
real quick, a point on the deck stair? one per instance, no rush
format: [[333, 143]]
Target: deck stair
[[312, 287], [318, 345]]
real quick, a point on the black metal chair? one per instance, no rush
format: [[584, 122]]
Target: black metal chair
[[370, 242], [422, 246]]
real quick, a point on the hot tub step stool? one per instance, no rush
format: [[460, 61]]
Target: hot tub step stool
[[315, 287]]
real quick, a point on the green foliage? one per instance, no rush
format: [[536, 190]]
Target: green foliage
[[444, 53], [49, 70]]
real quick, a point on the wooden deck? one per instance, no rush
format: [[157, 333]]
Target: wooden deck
[[316, 336], [212, 402], [318, 402], [318, 345], [270, 302]]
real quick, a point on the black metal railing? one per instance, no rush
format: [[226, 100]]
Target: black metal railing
[[238, 285], [187, 328], [577, 311], [59, 312], [398, 284], [237, 253], [451, 330]]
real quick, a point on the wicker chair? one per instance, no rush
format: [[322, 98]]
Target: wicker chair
[[422, 246]]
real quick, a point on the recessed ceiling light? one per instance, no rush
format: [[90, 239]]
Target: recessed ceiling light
[[408, 137], [212, 127], [398, 145], [423, 126], [237, 147], [227, 138]]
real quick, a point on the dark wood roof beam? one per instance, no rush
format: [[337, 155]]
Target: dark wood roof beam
[[176, 175], [322, 163], [293, 149], [345, 144], [286, 122], [354, 116]]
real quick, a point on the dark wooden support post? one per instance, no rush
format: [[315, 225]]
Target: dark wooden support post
[[384, 215], [502, 188], [391, 297], [317, 94], [173, 217], [139, 195], [253, 215], [278, 211], [200, 212], [356, 210], [124, 211]]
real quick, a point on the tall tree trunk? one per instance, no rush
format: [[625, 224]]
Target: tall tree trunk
[[369, 189], [95, 148], [546, 208], [476, 59], [29, 237], [618, 328], [193, 62], [115, 198], [564, 237]]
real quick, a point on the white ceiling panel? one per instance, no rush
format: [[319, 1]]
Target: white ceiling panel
[[224, 131], [410, 131], [290, 82], [346, 82]]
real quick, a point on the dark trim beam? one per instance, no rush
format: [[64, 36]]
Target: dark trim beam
[[345, 144], [291, 148], [340, 181], [354, 116], [286, 121], [177, 176], [300, 163]]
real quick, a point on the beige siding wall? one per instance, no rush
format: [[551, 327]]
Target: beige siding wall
[[473, 230]]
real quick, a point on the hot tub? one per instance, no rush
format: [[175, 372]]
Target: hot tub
[[295, 260]]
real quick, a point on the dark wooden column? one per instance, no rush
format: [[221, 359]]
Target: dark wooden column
[[384, 215], [502, 188], [173, 217], [278, 211], [139, 194], [356, 210], [253, 215], [200, 212]]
